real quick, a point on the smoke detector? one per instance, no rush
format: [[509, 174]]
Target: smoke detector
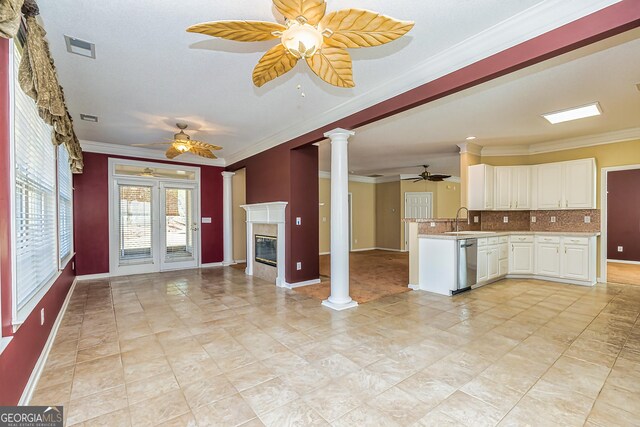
[[80, 47]]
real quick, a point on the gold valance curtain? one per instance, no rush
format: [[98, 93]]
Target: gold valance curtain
[[38, 79], [10, 17]]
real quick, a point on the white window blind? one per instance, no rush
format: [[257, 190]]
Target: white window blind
[[65, 205], [35, 249]]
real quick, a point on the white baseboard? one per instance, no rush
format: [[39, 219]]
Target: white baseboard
[[390, 250], [240, 261], [619, 261], [414, 287], [363, 249], [27, 393], [300, 284], [214, 264], [325, 253], [93, 276]]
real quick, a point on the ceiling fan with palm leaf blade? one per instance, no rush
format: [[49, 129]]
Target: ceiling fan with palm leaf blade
[[182, 143], [428, 176], [310, 34]]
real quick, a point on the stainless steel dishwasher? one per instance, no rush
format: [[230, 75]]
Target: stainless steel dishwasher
[[467, 265]]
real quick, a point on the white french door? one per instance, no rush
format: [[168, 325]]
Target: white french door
[[416, 205], [178, 226], [154, 226]]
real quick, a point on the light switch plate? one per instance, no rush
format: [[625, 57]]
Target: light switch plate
[[505, 219], [587, 219], [41, 316], [206, 220], [476, 219], [553, 219], [432, 224], [298, 266], [534, 219], [620, 249]]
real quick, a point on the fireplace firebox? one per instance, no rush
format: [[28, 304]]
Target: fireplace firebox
[[266, 250]]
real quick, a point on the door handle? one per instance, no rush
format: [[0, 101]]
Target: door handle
[[194, 228]]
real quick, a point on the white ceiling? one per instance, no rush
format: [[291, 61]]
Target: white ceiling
[[506, 112], [150, 73]]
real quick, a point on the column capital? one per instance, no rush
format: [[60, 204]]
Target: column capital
[[228, 175], [339, 134]]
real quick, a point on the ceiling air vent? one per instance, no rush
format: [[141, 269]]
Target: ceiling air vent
[[375, 175], [89, 118], [80, 47]]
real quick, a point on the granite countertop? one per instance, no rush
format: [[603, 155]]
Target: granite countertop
[[484, 234]]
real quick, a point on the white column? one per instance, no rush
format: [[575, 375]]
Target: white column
[[339, 299], [227, 217]]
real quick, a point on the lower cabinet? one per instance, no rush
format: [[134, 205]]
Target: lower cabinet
[[522, 255], [483, 267], [493, 259], [548, 256], [575, 261]]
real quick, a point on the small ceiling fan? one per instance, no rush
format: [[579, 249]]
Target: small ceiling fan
[[182, 143], [427, 176]]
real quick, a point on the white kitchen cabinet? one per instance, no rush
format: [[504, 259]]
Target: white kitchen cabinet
[[566, 185], [575, 261], [548, 256], [483, 272], [549, 186], [480, 187], [504, 267], [513, 187], [493, 266], [579, 184], [522, 255]]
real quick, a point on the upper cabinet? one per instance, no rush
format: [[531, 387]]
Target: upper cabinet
[[567, 185], [480, 185], [513, 188], [551, 186]]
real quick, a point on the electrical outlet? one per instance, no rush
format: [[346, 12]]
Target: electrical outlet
[[432, 224], [534, 219], [41, 316], [620, 248], [355, 241], [553, 219], [476, 219], [298, 221], [324, 219], [505, 219], [587, 219], [298, 266], [73, 265]]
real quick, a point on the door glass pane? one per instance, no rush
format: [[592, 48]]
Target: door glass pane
[[179, 220], [135, 223]]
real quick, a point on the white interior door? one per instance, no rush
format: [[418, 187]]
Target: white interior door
[[134, 238], [179, 227], [416, 205]]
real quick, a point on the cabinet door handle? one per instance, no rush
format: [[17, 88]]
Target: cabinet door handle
[[559, 203], [565, 250], [512, 248], [516, 205], [567, 203]]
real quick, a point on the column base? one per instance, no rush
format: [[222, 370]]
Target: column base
[[414, 287], [339, 307]]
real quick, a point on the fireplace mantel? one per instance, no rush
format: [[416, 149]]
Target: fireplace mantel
[[267, 213]]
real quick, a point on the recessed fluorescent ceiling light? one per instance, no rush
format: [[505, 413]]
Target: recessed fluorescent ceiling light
[[89, 118], [573, 113], [80, 47]]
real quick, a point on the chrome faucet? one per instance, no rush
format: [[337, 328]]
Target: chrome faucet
[[458, 218]]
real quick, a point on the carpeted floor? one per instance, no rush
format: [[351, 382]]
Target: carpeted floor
[[628, 274], [373, 275]]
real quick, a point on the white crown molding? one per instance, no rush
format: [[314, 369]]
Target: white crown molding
[[471, 148], [530, 23], [144, 153], [564, 144]]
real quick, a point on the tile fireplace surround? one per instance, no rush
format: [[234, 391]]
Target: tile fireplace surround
[[566, 220]]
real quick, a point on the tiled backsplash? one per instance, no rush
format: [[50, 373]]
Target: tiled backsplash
[[565, 220]]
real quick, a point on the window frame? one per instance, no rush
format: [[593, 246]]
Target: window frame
[[63, 262], [19, 315]]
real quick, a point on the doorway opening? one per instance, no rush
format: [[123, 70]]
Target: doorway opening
[[153, 217], [620, 244]]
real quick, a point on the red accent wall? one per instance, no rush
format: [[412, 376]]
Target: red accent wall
[[91, 213], [623, 215], [19, 358]]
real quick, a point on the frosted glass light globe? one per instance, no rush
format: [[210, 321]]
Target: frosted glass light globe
[[302, 40]]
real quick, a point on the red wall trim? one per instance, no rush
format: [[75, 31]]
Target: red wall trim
[[91, 213]]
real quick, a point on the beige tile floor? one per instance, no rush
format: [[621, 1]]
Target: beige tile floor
[[214, 348]]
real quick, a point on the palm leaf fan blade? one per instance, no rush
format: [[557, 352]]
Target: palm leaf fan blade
[[276, 62], [242, 31], [333, 65], [311, 10], [172, 152], [202, 152]]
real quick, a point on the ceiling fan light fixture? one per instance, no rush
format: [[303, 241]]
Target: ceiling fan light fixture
[[301, 39], [182, 147]]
